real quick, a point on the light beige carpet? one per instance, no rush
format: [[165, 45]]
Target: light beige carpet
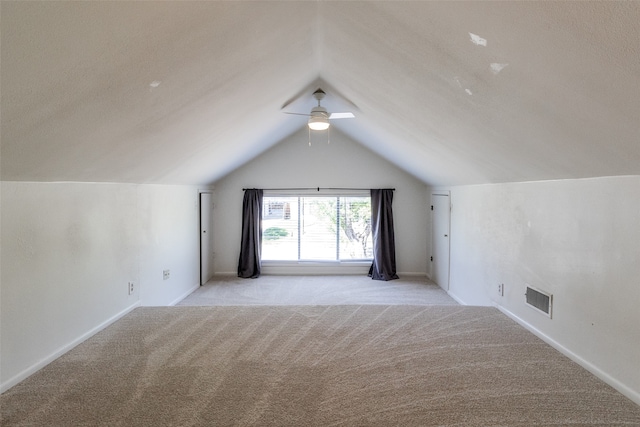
[[364, 365], [318, 290]]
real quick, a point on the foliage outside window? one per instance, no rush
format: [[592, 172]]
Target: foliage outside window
[[316, 228]]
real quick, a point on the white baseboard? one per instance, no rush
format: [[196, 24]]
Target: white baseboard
[[619, 386], [402, 274], [62, 350], [315, 269], [455, 297], [184, 295], [320, 271]]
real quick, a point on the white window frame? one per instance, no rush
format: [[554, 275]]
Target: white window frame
[[316, 266]]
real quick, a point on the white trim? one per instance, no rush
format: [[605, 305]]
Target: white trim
[[402, 274], [613, 382], [62, 350], [315, 268], [455, 297], [325, 272], [184, 295]]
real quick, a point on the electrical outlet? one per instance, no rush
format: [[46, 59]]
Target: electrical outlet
[[131, 288], [501, 289], [166, 274]]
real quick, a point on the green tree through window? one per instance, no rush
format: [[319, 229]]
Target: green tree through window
[[317, 228]]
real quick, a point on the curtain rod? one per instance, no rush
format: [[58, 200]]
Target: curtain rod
[[312, 188]]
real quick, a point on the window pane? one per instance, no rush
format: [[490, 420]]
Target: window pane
[[355, 228], [280, 228], [318, 240], [315, 228]]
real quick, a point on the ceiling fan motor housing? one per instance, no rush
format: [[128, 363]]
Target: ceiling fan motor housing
[[319, 112]]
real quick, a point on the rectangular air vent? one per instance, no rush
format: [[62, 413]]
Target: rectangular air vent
[[540, 300]]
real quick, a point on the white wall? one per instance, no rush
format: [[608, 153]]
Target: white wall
[[577, 239], [68, 253], [342, 163], [169, 222]]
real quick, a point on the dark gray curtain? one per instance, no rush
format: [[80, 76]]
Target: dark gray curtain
[[384, 246], [249, 262]]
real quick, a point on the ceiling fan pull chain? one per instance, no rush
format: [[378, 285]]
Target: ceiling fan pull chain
[[309, 136]]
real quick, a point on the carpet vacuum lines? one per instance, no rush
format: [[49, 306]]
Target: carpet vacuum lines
[[337, 365]]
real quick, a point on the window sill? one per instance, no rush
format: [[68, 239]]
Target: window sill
[[315, 267]]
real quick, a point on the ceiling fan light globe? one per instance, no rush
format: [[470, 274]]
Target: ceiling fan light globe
[[318, 123]]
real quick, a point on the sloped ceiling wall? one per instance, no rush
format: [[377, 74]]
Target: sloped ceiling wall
[[185, 92]]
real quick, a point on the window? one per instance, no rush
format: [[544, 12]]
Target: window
[[316, 228]]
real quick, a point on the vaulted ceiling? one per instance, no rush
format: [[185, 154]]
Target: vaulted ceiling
[[452, 92]]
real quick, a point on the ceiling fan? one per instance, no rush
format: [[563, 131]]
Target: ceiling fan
[[319, 116]]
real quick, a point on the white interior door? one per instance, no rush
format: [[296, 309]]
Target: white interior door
[[206, 238], [441, 222]]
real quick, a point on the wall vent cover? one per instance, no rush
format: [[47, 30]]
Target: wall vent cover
[[540, 300]]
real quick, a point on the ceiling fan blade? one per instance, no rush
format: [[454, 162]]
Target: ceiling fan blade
[[297, 114], [341, 116]]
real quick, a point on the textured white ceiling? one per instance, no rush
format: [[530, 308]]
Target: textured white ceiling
[[77, 102]]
